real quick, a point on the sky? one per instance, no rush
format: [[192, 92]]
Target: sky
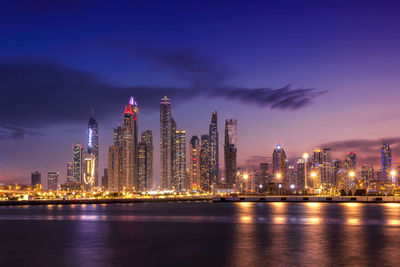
[[300, 73]]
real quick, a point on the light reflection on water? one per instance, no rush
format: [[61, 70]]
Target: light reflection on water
[[234, 234]]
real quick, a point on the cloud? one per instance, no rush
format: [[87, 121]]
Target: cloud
[[38, 93], [12, 132]]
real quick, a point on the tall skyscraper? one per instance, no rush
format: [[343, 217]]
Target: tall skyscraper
[[129, 146], [165, 143], [174, 177], [52, 180], [301, 173], [386, 162], [88, 173], [263, 176], [93, 145], [279, 164], [142, 167], [230, 151], [194, 164], [322, 162], [36, 178], [214, 142], [147, 139], [78, 157], [367, 172], [180, 160], [205, 161], [114, 168], [104, 180], [350, 162], [70, 172], [337, 167]]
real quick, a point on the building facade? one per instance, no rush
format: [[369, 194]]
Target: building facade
[[52, 180], [78, 158], [214, 143], [194, 162], [93, 144], [180, 160], [230, 153]]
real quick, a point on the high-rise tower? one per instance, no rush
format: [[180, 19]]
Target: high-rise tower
[[78, 158], [230, 150], [279, 164], [147, 139], [205, 160], [386, 162], [129, 146], [214, 162], [93, 145], [180, 160], [165, 143], [194, 164]]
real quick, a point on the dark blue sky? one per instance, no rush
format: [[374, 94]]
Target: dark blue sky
[[57, 60]]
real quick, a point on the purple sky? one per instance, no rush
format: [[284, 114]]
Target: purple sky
[[340, 58]]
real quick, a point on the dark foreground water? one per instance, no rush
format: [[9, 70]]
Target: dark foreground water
[[201, 234]]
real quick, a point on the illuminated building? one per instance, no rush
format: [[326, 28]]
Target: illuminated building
[[104, 180], [279, 164], [194, 165], [89, 166], [301, 173], [180, 160], [93, 144], [291, 177], [386, 162], [350, 162], [205, 179], [129, 146], [214, 142], [263, 176], [165, 143], [142, 166], [36, 178], [52, 180], [114, 169], [78, 158], [70, 172], [322, 160], [174, 177], [230, 153], [337, 166], [147, 139], [367, 172]]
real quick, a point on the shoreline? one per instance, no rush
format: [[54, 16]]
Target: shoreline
[[282, 199]]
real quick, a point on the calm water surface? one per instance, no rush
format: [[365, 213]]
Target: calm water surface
[[201, 234]]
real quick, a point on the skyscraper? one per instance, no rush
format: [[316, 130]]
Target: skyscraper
[[142, 166], [301, 173], [350, 162], [180, 160], [214, 142], [174, 177], [129, 146], [165, 143], [104, 180], [279, 164], [36, 178], [367, 172], [78, 157], [230, 151], [194, 164], [70, 172], [114, 168], [205, 160], [147, 139], [88, 173], [52, 180], [386, 162], [322, 161], [93, 145], [263, 176]]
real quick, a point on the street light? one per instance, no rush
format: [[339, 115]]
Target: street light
[[278, 176], [393, 173], [313, 174], [245, 176], [352, 174]]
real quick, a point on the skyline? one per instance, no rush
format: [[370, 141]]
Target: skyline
[[351, 104]]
